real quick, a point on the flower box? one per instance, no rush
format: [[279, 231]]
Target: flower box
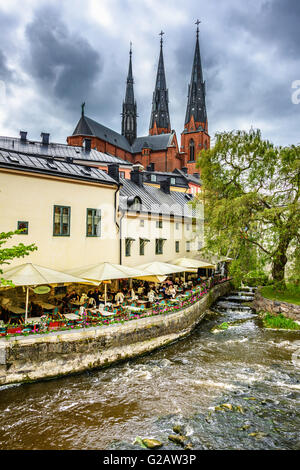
[[56, 324], [14, 330]]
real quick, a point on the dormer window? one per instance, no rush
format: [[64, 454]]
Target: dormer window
[[153, 178]]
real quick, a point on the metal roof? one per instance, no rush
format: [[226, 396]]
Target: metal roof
[[44, 165], [31, 147], [156, 201]]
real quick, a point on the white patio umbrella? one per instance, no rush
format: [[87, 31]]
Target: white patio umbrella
[[158, 268], [30, 274], [191, 264], [106, 272]]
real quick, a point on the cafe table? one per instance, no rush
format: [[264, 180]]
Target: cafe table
[[34, 320], [46, 306]]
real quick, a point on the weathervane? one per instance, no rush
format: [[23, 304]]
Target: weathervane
[[130, 51], [161, 39]]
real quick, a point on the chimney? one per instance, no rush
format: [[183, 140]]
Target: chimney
[[113, 171], [87, 143], [45, 138], [23, 136], [136, 174], [165, 186], [184, 169]]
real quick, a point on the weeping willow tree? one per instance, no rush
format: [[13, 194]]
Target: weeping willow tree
[[251, 195]]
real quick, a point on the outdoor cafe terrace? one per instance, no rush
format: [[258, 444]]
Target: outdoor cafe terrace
[[61, 306]]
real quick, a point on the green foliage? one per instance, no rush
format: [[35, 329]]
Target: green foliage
[[251, 195], [279, 321], [282, 292], [17, 251]]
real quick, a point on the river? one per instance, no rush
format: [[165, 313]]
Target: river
[[254, 371]]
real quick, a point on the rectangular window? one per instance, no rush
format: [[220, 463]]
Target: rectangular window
[[142, 247], [188, 246], [173, 181], [127, 247], [93, 223], [177, 225], [188, 226], [159, 224], [61, 221], [159, 246], [153, 178], [23, 226], [142, 223], [177, 246], [122, 174]]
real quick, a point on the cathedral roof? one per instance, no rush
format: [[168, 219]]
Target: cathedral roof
[[87, 126], [154, 142]]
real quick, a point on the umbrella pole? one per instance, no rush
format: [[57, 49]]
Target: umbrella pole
[[105, 293], [26, 308]]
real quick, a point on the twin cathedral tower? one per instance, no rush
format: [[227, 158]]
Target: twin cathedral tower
[[159, 149]]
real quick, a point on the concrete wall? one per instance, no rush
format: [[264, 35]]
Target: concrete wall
[[39, 357]]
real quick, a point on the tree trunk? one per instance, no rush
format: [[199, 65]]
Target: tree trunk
[[280, 260]]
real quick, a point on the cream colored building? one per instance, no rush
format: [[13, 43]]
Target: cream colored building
[[79, 215]]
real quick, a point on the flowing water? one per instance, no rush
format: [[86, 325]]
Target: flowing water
[[254, 371]]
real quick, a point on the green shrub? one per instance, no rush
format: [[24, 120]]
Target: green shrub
[[279, 321]]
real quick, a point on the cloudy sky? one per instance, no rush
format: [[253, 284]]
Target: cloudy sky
[[55, 54]]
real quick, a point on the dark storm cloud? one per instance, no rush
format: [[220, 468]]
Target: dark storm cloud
[[277, 23], [67, 55], [62, 62]]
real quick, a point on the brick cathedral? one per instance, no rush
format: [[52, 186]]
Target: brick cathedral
[[159, 149]]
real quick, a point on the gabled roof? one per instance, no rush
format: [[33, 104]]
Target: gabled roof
[[154, 142], [87, 126]]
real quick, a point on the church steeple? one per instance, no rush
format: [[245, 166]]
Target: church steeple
[[160, 118], [129, 114], [196, 107]]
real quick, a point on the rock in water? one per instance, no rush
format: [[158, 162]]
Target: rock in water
[[181, 440], [152, 443]]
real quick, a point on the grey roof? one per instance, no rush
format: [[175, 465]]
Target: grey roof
[[163, 175], [87, 126], [58, 150], [154, 142], [155, 201], [44, 165], [188, 177]]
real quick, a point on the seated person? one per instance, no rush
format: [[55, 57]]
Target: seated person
[[119, 297], [151, 295], [172, 292], [91, 302], [133, 295]]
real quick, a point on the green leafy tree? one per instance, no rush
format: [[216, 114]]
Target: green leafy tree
[[8, 254], [251, 195]]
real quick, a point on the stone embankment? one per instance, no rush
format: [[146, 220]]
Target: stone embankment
[[38, 357], [275, 307]]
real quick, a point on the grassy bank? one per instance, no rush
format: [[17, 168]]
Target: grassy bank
[[291, 294], [278, 321]]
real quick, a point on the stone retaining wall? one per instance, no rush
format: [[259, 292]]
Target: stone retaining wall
[[275, 307], [37, 357]]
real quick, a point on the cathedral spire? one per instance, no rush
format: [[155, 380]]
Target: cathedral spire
[[160, 118], [129, 114], [196, 96]]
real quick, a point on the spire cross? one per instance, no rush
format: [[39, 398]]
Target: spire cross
[[82, 108], [197, 23], [130, 51], [161, 37]]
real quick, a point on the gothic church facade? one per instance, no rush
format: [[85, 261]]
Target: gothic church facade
[[159, 150]]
